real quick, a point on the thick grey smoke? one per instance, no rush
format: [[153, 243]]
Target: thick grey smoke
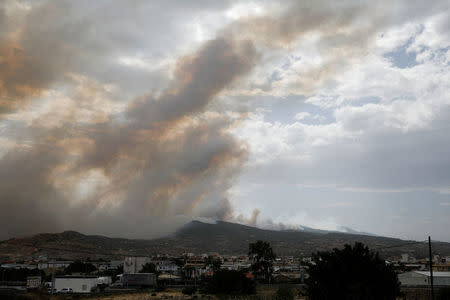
[[163, 159], [38, 49], [164, 156]]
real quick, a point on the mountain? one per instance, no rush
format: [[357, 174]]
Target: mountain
[[198, 237], [234, 238], [341, 229]]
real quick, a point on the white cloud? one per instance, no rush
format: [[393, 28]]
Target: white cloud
[[386, 134], [302, 115], [361, 124]]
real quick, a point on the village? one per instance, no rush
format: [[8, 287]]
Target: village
[[186, 273]]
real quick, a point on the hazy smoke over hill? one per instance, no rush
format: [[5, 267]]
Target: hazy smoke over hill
[[166, 158], [162, 157]]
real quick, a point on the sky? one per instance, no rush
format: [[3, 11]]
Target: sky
[[131, 118]]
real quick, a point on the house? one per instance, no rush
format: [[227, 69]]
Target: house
[[111, 265], [18, 266], [444, 266], [33, 282], [166, 266], [54, 264], [194, 270], [79, 284], [422, 278]]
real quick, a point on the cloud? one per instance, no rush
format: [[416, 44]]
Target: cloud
[[302, 115], [38, 53], [106, 118], [162, 155], [167, 157], [384, 132]]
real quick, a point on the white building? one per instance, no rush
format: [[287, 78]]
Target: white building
[[421, 278], [166, 266], [54, 264], [134, 264], [112, 265], [18, 266], [79, 284], [115, 264], [405, 258]]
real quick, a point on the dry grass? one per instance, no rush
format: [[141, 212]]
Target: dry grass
[[262, 294]]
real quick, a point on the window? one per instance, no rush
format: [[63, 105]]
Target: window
[[84, 287]]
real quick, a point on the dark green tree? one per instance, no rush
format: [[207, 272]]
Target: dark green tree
[[19, 274], [189, 290], [180, 262], [262, 256], [80, 267], [230, 282], [285, 292], [214, 263], [444, 293], [351, 273], [149, 268]]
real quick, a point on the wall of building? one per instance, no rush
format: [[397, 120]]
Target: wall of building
[[441, 281], [134, 264], [423, 278], [413, 278], [78, 284]]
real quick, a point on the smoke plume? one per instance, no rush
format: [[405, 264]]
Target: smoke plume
[[136, 167], [163, 156]]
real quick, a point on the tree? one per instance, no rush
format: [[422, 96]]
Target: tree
[[285, 292], [80, 267], [189, 290], [149, 268], [444, 293], [262, 257], [19, 274], [230, 282], [214, 263], [351, 273]]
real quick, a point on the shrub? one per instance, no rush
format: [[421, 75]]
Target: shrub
[[444, 293], [160, 287], [351, 273], [285, 292], [189, 290], [230, 282]]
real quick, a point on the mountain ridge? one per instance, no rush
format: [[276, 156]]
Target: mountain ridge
[[199, 237]]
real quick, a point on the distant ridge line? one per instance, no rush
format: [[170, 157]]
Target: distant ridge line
[[199, 237]]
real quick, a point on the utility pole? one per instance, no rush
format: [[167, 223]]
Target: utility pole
[[431, 268], [53, 277]]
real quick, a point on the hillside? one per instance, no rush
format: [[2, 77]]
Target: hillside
[[198, 237]]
